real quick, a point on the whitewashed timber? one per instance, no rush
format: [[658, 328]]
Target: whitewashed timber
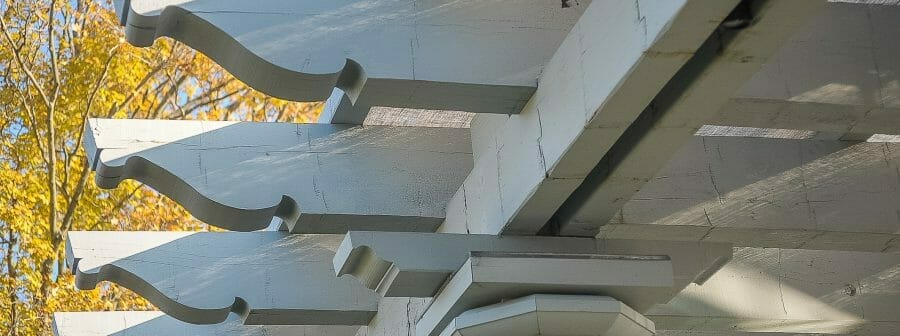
[[791, 292], [375, 53], [265, 277], [699, 91], [317, 178], [636, 86], [767, 192], [847, 121], [761, 292], [552, 315], [487, 277], [151, 323], [651, 43], [834, 75], [381, 260]]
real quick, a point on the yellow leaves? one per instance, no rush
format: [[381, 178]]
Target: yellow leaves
[[99, 76]]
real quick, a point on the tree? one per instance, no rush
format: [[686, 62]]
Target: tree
[[60, 63]]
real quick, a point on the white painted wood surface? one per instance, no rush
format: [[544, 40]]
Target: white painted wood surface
[[317, 178], [791, 292], [488, 278], [761, 292], [472, 55], [552, 315], [396, 316], [836, 75], [383, 260], [764, 290], [265, 277], [856, 122], [765, 192], [696, 95], [151, 323], [607, 70]]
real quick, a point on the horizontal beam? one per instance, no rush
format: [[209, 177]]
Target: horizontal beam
[[852, 122], [120, 323], [487, 278], [791, 292], [474, 55], [761, 291], [317, 178], [763, 192], [264, 277], [700, 90], [382, 260], [607, 70]]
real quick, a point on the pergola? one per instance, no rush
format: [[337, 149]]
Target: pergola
[[518, 167]]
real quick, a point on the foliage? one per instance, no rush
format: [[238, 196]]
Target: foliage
[[60, 63]]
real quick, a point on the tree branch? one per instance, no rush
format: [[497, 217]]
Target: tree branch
[[138, 87], [116, 207], [76, 197], [17, 55]]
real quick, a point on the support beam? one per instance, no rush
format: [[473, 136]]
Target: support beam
[[607, 70], [763, 192], [791, 292], [381, 260], [824, 292], [389, 53], [265, 277], [488, 278], [150, 323], [696, 94], [396, 316], [549, 315], [851, 122], [316, 178], [339, 109]]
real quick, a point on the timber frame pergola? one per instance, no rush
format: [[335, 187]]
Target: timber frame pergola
[[630, 167]]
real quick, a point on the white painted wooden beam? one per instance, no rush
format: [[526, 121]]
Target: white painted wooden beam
[[382, 260], [265, 277], [852, 122], [317, 178], [339, 109], [552, 315], [607, 70], [151, 323], [488, 278], [744, 333], [764, 192], [787, 292], [695, 95], [761, 292], [846, 56], [472, 55], [793, 292]]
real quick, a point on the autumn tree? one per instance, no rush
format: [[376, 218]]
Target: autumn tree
[[62, 62]]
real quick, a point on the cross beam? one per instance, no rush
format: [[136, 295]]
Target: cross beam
[[385, 53], [607, 70], [317, 178], [267, 278], [120, 323]]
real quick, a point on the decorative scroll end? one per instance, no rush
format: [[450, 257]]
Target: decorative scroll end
[[362, 263]]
